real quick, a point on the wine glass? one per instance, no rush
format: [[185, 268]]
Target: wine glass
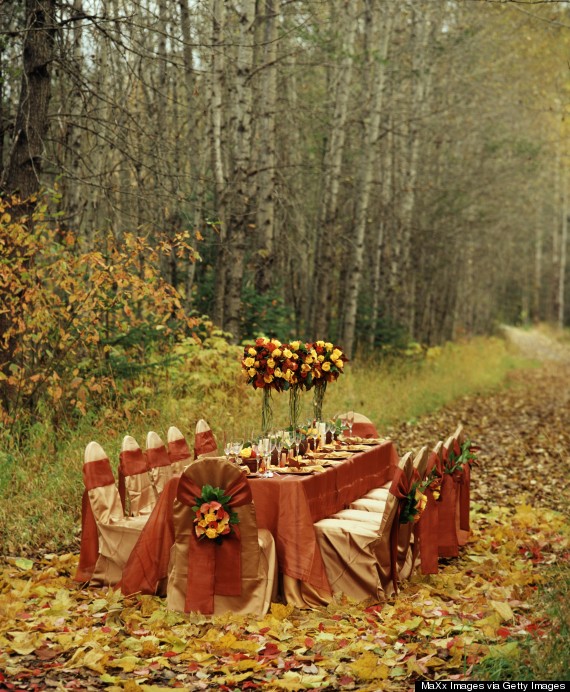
[[228, 446], [350, 421], [279, 446], [237, 446]]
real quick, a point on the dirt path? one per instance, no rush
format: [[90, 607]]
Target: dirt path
[[523, 430]]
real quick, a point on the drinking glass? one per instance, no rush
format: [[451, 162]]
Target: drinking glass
[[350, 421], [228, 446], [237, 446]]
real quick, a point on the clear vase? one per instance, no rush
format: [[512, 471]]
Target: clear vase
[[266, 411], [319, 391], [294, 406]]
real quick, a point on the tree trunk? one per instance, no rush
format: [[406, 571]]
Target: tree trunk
[[266, 170], [328, 217], [377, 70], [22, 173]]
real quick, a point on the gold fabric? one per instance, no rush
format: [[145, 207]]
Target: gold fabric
[[116, 534], [258, 556]]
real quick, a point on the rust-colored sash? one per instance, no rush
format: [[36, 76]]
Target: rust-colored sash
[[132, 462], [96, 474], [204, 443], [157, 457], [178, 450], [212, 568], [364, 430], [428, 524], [447, 531]]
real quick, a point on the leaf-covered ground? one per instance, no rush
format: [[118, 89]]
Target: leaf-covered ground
[[56, 635]]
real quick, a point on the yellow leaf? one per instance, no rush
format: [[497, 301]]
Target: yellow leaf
[[504, 610], [126, 663], [368, 667]]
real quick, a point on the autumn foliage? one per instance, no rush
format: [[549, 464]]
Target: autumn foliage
[[74, 319]]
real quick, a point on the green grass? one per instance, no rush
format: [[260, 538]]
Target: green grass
[[40, 471]]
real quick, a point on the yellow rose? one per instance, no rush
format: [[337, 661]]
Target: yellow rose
[[245, 453], [339, 364], [320, 358], [295, 356], [336, 354], [252, 351], [305, 368], [295, 345], [270, 362], [309, 360], [251, 372], [326, 366], [209, 517], [329, 346], [276, 342], [211, 533], [276, 352], [319, 343], [268, 378], [256, 364], [248, 362], [287, 353], [278, 372]]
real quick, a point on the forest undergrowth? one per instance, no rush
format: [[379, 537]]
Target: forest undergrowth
[[499, 611]]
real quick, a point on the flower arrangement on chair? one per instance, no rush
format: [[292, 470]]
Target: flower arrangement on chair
[[214, 518]]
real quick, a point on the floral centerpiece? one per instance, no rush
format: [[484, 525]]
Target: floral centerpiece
[[459, 456], [263, 367], [328, 366], [214, 519]]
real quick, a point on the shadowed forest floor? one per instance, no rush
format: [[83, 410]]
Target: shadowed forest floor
[[54, 634]]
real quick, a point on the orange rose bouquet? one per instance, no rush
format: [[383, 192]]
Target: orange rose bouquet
[[214, 518]]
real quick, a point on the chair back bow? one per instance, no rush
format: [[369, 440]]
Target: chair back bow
[[213, 568], [401, 487]]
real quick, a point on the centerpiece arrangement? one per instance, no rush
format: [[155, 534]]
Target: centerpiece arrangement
[[271, 366]]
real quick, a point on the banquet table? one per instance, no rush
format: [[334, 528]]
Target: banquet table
[[287, 505]]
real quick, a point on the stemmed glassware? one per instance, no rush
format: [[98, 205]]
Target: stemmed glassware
[[279, 446], [350, 421], [228, 446], [237, 446]]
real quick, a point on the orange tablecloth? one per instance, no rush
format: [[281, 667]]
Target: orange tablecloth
[[286, 505]]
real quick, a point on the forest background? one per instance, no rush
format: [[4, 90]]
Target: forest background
[[180, 177]]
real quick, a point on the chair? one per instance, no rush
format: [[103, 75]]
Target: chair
[[362, 427], [448, 545], [361, 557], [178, 450], [205, 444], [159, 465], [204, 576], [135, 485], [107, 536]]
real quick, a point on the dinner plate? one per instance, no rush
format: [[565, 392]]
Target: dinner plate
[[292, 471]]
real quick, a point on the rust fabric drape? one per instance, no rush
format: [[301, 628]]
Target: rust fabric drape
[[428, 525], [204, 443], [213, 568]]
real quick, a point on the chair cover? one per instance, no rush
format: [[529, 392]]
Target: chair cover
[[137, 492], [360, 558], [159, 465], [204, 576], [205, 444], [178, 450], [107, 536]]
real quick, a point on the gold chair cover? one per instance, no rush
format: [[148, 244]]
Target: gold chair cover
[[160, 468], [357, 553], [107, 535], [178, 450], [135, 486], [258, 557]]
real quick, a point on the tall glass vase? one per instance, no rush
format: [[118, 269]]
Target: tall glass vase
[[294, 406], [319, 390], [266, 411]]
